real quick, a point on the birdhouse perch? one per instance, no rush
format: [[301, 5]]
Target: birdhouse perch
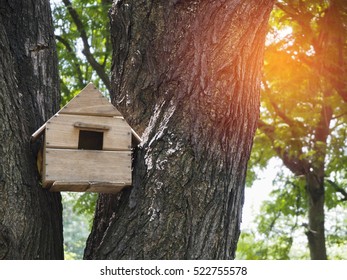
[[87, 146]]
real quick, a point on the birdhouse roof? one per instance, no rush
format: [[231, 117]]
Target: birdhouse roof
[[91, 102]]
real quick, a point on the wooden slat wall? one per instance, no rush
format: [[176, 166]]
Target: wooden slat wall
[[61, 132], [83, 165]]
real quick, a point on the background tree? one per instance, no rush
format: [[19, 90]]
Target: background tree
[[83, 43], [30, 217], [187, 75], [303, 121]]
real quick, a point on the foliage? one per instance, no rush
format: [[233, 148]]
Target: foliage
[[303, 97], [83, 44], [85, 205], [252, 248], [74, 240]]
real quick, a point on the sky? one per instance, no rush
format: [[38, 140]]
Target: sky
[[255, 195]]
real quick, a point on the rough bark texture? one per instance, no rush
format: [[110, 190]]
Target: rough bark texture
[[30, 217], [187, 75]]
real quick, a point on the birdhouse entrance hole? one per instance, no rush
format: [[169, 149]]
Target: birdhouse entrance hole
[[90, 140]]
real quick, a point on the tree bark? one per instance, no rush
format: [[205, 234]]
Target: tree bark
[[186, 74], [30, 217], [316, 217]]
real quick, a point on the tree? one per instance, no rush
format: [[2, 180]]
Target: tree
[[304, 117], [30, 217], [83, 44], [186, 74]]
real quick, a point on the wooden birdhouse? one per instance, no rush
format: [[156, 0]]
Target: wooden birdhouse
[[87, 146]]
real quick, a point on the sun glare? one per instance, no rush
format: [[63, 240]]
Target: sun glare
[[277, 35]]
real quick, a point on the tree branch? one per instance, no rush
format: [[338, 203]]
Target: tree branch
[[330, 74], [298, 17], [100, 70], [338, 189], [280, 112], [76, 63], [334, 73], [298, 166]]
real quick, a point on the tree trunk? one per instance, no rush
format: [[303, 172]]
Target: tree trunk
[[187, 75], [30, 217], [315, 184], [316, 229]]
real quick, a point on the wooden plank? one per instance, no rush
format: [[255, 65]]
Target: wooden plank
[[90, 101], [44, 184], [61, 132], [84, 165], [98, 187], [136, 139], [91, 126], [36, 135]]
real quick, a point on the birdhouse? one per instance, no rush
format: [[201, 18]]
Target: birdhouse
[[87, 146]]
